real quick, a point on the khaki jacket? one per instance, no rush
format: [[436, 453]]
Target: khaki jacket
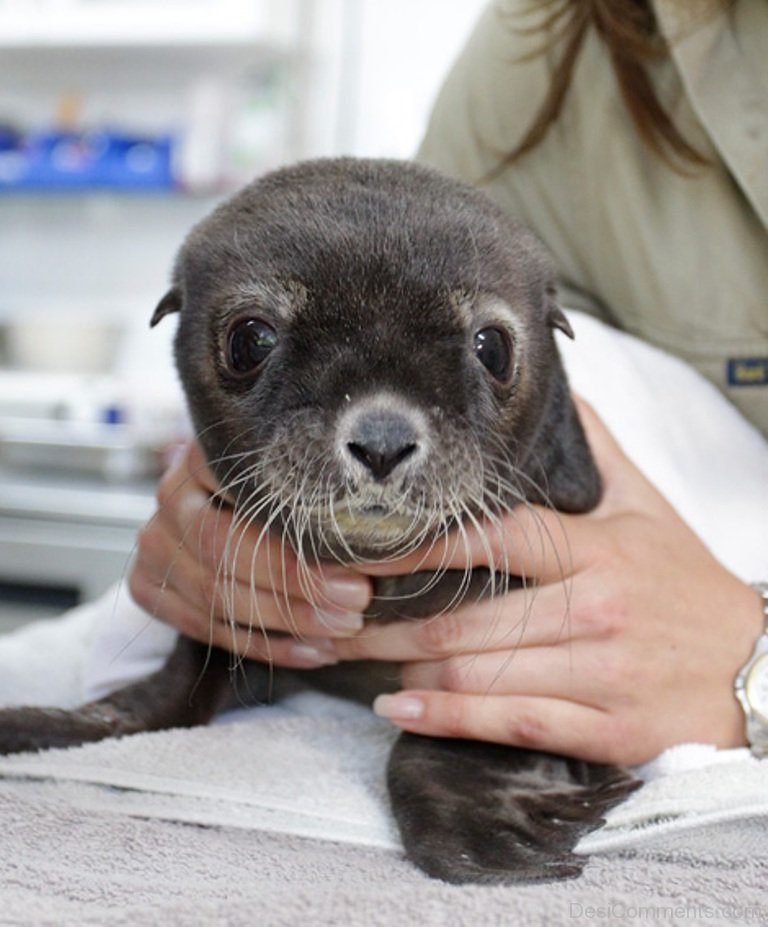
[[681, 261]]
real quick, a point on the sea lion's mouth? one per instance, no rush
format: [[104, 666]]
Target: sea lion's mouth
[[371, 522], [368, 533]]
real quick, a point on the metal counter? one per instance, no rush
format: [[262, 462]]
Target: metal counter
[[63, 539]]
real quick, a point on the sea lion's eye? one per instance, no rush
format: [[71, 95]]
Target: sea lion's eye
[[250, 343], [493, 349]]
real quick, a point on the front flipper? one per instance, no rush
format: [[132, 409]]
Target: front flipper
[[477, 812], [187, 690]]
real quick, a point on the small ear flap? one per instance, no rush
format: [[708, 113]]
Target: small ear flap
[[558, 320], [171, 302], [565, 469], [573, 480]]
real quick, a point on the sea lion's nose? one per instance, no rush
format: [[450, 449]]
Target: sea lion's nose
[[380, 463], [381, 439]]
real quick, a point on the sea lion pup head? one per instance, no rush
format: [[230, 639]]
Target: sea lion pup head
[[368, 356]]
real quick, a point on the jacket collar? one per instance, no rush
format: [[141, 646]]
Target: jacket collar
[[727, 88]]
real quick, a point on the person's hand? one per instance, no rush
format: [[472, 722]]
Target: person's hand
[[629, 643], [196, 569]]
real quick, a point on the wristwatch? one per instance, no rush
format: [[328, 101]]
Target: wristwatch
[[752, 685]]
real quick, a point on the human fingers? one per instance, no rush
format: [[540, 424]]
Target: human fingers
[[242, 640], [214, 557], [191, 516], [213, 597], [576, 671], [248, 635], [529, 617], [549, 724], [232, 573]]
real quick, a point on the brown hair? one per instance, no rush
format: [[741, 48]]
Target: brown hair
[[629, 30]]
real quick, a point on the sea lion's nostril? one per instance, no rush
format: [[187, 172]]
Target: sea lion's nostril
[[381, 461]]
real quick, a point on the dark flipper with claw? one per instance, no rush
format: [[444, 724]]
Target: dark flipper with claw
[[479, 812], [189, 689]]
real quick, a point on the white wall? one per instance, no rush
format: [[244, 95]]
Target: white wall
[[406, 48]]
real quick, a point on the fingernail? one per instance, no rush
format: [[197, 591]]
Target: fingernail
[[320, 654], [398, 707], [346, 590], [341, 622], [191, 504], [173, 454]]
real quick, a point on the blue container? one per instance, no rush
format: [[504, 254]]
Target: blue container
[[81, 161]]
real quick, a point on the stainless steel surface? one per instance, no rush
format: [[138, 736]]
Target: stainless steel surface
[[104, 425], [110, 451], [74, 499], [67, 532]]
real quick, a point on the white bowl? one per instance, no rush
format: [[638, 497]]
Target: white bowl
[[59, 344]]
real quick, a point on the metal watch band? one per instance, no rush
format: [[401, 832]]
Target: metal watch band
[[751, 685]]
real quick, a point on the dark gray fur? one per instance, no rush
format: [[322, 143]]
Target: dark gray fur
[[376, 276]]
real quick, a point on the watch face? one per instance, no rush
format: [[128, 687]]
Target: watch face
[[756, 687]]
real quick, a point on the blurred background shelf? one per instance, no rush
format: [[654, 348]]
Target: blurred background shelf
[[63, 540], [82, 23]]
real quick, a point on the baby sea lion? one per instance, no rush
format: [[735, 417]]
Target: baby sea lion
[[368, 354]]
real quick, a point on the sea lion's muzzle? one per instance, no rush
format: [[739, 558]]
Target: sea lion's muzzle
[[381, 439]]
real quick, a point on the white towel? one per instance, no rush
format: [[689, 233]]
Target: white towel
[[86, 653], [314, 765]]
